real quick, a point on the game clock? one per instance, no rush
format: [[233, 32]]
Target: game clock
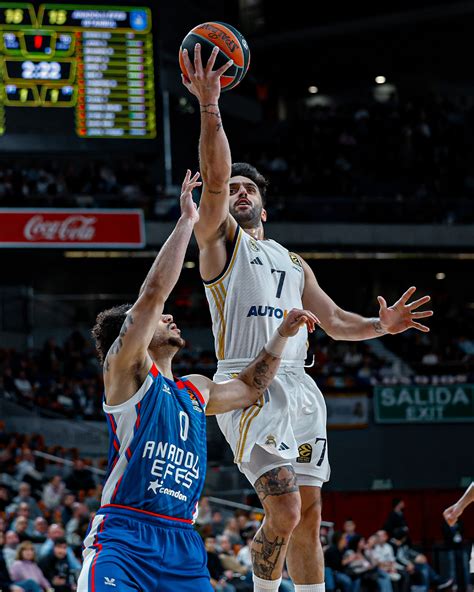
[[95, 61]]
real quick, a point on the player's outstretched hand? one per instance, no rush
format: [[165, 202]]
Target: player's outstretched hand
[[452, 514], [188, 206], [402, 316], [295, 319], [204, 82]]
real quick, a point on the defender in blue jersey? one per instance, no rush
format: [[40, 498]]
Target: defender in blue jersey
[[142, 538]]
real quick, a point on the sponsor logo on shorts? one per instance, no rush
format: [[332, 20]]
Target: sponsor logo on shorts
[[267, 311], [305, 452], [109, 582]]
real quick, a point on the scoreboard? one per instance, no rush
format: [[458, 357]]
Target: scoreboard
[[93, 62]]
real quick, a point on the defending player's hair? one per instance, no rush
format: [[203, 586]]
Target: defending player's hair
[[243, 169], [107, 328]]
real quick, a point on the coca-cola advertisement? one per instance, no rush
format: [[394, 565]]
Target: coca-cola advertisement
[[71, 228]]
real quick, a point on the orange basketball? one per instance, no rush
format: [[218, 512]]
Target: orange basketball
[[231, 44]]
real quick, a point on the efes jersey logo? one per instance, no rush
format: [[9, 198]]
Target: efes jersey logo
[[194, 401], [305, 452], [295, 260]]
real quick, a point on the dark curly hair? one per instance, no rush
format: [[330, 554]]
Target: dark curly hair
[[107, 328], [244, 169]]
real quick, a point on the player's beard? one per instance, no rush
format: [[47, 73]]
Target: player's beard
[[250, 218]]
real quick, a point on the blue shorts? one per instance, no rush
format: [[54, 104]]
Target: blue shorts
[[132, 551]]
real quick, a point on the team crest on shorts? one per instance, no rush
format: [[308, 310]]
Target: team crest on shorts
[[305, 452], [270, 441]]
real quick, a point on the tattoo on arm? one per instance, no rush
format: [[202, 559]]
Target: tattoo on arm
[[261, 376], [378, 327], [213, 109], [266, 554], [276, 482]]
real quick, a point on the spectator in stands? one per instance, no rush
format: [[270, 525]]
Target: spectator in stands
[[80, 478], [40, 529], [53, 492], [92, 501], [24, 387], [57, 569], [56, 531], [217, 522], [26, 471], [335, 565], [415, 563], [232, 531], [21, 529], [349, 529], [6, 583], [67, 507], [216, 569], [205, 512], [244, 556], [383, 555], [24, 496], [4, 498], [80, 514], [9, 548], [25, 568], [396, 518], [23, 511], [457, 553], [359, 566], [228, 559]]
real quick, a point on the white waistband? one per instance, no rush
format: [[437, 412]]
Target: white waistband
[[238, 364]]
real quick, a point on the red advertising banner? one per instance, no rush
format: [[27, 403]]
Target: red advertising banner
[[71, 228]]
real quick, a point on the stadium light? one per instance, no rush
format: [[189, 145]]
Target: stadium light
[[380, 79], [313, 90], [440, 276]]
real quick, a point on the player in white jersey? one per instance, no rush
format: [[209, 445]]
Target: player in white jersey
[[280, 442], [452, 513]]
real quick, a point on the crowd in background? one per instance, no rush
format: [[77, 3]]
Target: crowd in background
[[46, 506], [404, 160], [66, 378]]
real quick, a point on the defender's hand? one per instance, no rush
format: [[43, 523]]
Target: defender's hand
[[401, 316], [188, 206], [204, 83], [295, 319]]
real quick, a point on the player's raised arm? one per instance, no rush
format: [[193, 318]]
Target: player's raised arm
[[214, 150], [344, 325], [129, 350], [253, 380]]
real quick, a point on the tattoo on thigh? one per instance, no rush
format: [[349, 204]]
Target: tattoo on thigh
[[265, 554], [276, 482]]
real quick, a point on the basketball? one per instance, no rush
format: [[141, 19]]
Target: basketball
[[231, 44]]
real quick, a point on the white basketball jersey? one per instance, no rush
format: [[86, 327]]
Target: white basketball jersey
[[261, 283]]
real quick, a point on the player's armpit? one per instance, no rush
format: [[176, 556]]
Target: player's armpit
[[215, 221]]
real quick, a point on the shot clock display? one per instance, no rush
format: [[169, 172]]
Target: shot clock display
[[95, 61]]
